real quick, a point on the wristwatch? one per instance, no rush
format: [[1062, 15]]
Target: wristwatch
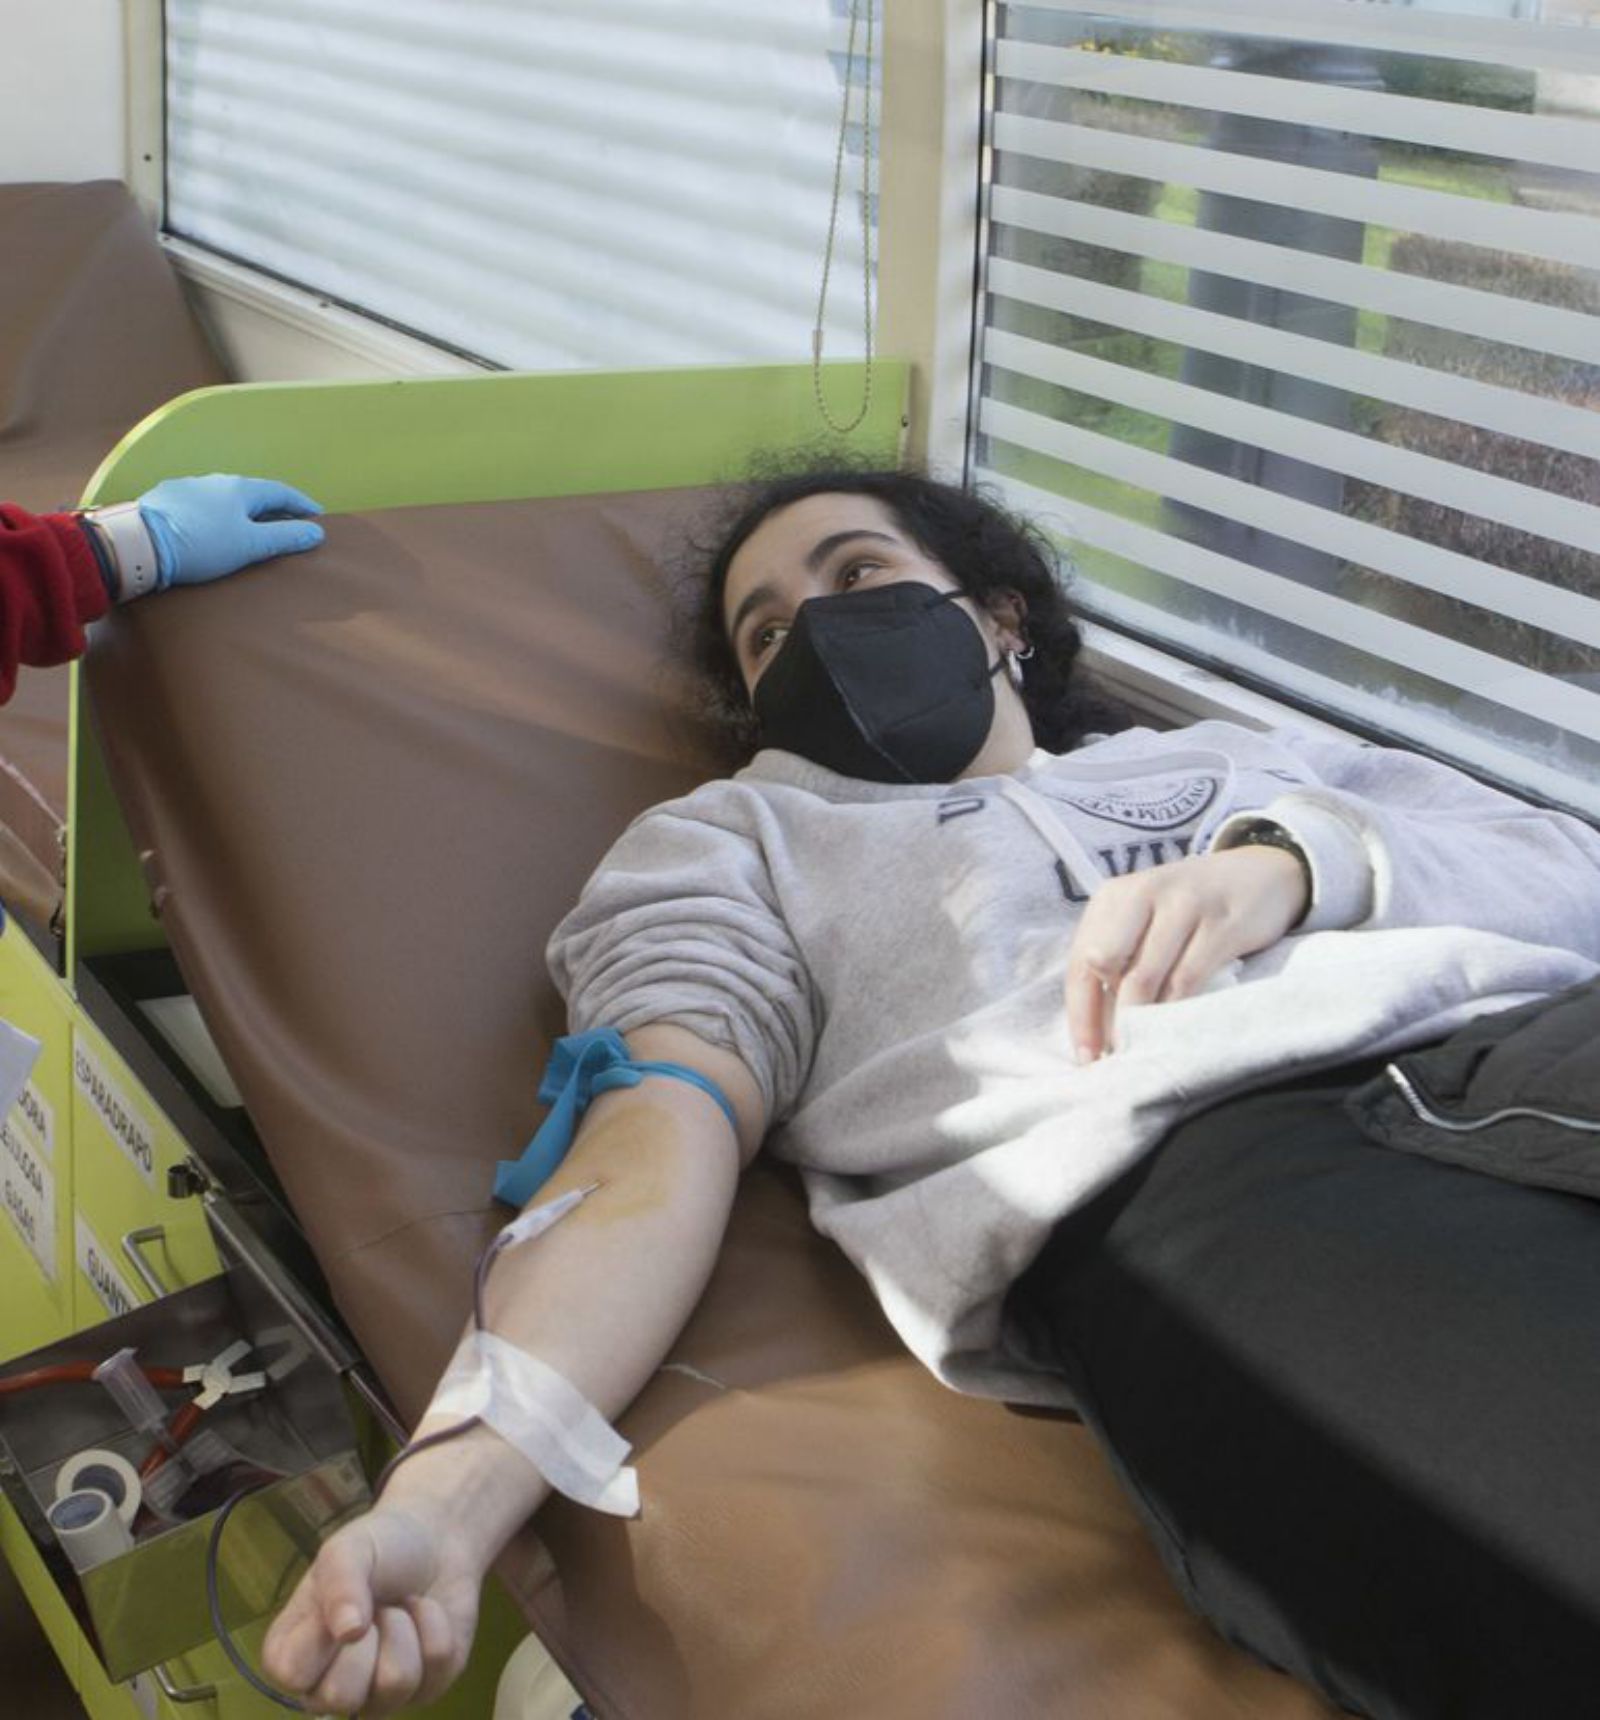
[[124, 549], [1265, 834]]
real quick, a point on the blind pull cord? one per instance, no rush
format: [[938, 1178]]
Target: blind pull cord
[[866, 224]]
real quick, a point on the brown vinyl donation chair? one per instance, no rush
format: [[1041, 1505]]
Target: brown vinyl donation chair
[[367, 783]]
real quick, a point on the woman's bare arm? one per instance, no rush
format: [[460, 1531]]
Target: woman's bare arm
[[385, 1616]]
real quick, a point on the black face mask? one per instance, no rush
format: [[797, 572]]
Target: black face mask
[[889, 685]]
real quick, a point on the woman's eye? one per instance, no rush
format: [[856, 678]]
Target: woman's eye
[[764, 638], [855, 571]]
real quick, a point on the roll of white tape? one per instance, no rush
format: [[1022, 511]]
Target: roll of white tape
[[107, 1473], [88, 1527]]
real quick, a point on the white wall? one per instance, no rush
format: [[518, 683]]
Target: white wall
[[61, 90]]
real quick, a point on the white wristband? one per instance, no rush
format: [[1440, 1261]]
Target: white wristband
[[123, 529], [542, 1415]]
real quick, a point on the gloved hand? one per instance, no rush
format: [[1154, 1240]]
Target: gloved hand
[[203, 528]]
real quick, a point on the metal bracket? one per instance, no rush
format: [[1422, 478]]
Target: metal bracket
[[186, 1179]]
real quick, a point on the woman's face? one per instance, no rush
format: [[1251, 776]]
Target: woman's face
[[814, 548]]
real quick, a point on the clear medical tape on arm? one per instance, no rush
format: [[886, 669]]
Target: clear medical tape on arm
[[543, 1416], [533, 1408]]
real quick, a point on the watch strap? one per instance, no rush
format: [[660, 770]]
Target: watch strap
[[121, 529], [105, 562], [1266, 833]]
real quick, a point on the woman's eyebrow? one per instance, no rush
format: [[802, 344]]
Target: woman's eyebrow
[[819, 552], [751, 600]]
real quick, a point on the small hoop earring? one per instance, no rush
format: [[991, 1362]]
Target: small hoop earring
[[1014, 661]]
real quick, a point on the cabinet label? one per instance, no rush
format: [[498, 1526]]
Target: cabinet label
[[122, 1119], [114, 1291], [37, 1114], [28, 1193], [19, 1052]]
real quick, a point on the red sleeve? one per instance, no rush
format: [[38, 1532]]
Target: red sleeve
[[50, 589]]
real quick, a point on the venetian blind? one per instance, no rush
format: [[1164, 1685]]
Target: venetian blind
[[540, 183], [1292, 329]]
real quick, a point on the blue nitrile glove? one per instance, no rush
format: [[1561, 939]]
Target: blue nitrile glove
[[203, 528]]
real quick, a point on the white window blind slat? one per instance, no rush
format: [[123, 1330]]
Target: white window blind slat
[[562, 84], [1503, 501], [1478, 751], [550, 167], [1523, 42], [546, 312], [393, 193], [1441, 304], [513, 29], [1503, 410], [1382, 636], [1558, 236], [1511, 594], [1408, 119]]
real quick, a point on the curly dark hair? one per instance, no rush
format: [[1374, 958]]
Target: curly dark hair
[[986, 549]]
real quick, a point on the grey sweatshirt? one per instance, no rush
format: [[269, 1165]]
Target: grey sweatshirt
[[888, 962]]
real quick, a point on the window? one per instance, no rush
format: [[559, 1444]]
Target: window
[[572, 183], [1292, 327]]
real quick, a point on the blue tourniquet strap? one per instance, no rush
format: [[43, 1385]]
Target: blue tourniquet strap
[[580, 1066]]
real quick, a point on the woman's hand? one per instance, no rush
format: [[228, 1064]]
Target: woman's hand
[[383, 1619], [1153, 937]]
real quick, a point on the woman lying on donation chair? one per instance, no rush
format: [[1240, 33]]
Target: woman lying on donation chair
[[1059, 1027]]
